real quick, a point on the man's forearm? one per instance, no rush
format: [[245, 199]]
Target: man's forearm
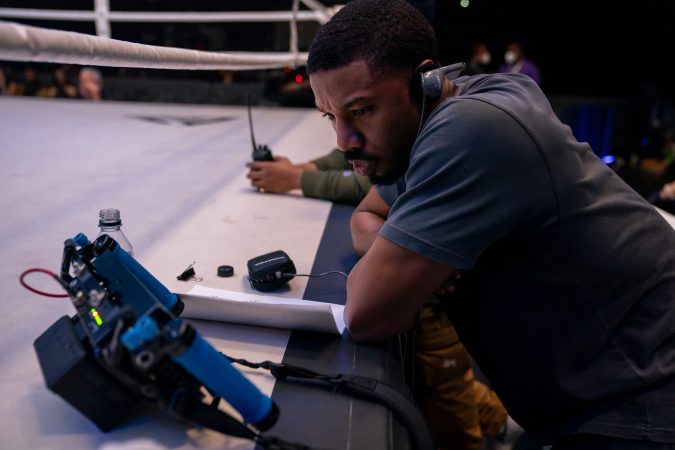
[[386, 288], [367, 220], [365, 227]]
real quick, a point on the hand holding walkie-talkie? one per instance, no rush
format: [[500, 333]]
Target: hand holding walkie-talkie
[[269, 173], [260, 152]]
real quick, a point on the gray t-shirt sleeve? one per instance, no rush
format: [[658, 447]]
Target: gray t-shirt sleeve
[[475, 176], [390, 192]]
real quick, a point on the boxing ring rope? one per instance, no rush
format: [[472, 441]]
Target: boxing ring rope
[[29, 43], [128, 16]]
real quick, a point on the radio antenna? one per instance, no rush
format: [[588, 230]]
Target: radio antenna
[[262, 153], [250, 120]]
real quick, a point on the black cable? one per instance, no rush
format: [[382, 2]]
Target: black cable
[[404, 410], [423, 113]]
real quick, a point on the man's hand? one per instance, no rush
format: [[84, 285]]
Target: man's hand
[[275, 176]]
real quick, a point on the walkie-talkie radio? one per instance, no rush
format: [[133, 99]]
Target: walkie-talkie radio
[[260, 152]]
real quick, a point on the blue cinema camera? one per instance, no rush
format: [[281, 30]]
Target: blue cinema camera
[[126, 343]]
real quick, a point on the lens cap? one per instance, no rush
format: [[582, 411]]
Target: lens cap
[[225, 271]]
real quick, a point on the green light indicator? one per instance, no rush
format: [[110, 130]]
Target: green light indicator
[[96, 316]]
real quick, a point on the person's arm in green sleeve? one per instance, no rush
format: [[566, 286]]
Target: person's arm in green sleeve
[[329, 177], [335, 160], [343, 186]]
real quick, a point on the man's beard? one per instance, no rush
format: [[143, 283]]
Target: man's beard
[[388, 178], [384, 179]]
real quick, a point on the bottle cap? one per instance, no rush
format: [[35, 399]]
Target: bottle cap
[[109, 217], [225, 271]]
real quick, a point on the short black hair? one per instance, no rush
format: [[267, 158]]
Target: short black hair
[[389, 35]]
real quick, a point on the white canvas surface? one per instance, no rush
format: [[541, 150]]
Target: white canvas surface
[[177, 173]]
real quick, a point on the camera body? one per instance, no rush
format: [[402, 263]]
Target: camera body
[[126, 342]]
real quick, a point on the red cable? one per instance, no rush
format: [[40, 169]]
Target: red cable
[[37, 291]]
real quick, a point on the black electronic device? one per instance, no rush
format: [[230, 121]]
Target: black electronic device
[[270, 271], [432, 80], [415, 86], [427, 82], [260, 152]]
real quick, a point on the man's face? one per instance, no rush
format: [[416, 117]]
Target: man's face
[[374, 119]]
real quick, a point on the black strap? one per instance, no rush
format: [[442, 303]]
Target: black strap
[[363, 387], [189, 406]]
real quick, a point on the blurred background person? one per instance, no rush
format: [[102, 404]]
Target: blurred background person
[[90, 84], [664, 198], [31, 86], [480, 59], [515, 61], [7, 84], [61, 86]]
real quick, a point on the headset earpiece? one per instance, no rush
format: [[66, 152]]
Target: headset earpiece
[[427, 81], [432, 80], [416, 91]]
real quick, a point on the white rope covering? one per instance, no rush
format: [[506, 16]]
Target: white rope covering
[[294, 28], [102, 10], [143, 16], [47, 14], [325, 12], [28, 43]]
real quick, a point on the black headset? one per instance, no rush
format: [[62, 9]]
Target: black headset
[[432, 80], [427, 82]]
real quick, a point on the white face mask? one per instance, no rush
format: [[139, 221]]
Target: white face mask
[[510, 57], [485, 58]]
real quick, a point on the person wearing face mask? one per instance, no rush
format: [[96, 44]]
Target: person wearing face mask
[[516, 62], [480, 60]]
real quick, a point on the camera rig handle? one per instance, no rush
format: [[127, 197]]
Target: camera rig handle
[[156, 335]]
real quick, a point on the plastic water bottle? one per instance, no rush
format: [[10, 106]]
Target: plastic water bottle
[[110, 223]]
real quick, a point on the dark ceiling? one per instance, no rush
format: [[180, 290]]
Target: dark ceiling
[[585, 48]]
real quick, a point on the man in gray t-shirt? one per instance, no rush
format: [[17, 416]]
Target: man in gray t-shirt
[[567, 292]]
